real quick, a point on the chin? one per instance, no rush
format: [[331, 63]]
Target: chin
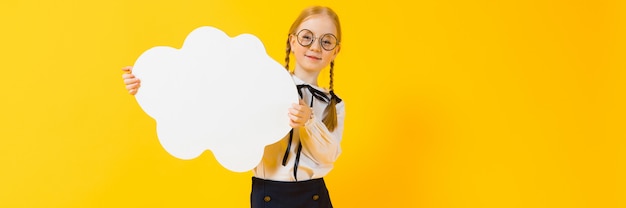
[[312, 69]]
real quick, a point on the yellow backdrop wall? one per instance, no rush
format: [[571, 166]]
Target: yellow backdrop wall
[[449, 103]]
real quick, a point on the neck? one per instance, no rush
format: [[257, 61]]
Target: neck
[[306, 76]]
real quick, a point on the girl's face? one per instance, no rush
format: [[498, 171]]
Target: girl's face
[[314, 57]]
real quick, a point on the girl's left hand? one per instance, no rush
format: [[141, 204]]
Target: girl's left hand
[[299, 114]]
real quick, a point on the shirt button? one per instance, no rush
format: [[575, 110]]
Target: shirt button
[[267, 198], [316, 197]]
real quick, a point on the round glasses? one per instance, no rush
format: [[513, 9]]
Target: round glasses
[[306, 38]]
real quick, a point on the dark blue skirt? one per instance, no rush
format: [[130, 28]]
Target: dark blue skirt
[[278, 194]]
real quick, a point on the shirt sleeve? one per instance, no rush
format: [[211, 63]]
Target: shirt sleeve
[[320, 144]]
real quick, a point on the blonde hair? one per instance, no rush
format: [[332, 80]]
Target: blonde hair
[[330, 118]]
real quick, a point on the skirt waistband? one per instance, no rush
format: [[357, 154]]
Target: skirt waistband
[[301, 194]]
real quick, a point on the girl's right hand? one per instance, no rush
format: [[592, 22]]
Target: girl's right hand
[[132, 83]]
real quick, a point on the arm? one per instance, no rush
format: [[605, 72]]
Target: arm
[[318, 142]]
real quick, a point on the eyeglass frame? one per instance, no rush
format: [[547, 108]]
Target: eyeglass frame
[[318, 38]]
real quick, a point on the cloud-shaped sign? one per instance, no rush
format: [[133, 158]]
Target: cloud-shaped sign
[[216, 93]]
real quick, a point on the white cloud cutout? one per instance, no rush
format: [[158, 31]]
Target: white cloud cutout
[[216, 93]]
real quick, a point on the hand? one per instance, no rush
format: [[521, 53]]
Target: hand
[[299, 114], [132, 83]]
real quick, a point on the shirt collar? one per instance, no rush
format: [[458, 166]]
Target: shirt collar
[[298, 81]]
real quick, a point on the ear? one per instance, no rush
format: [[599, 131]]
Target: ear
[[292, 42]]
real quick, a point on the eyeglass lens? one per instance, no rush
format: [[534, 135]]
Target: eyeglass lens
[[328, 41]]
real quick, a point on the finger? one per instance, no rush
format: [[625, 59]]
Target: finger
[[132, 92], [295, 124], [127, 69], [132, 86], [295, 112], [131, 81], [302, 102], [128, 76], [297, 106], [294, 118], [303, 109]]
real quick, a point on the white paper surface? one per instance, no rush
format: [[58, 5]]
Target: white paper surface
[[216, 93]]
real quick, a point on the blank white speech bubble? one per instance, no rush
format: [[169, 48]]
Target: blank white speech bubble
[[216, 93]]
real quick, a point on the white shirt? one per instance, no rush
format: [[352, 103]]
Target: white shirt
[[320, 147]]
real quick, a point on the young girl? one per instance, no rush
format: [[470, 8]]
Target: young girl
[[292, 169]]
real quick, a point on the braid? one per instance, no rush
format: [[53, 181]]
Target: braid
[[332, 65], [287, 56], [330, 120]]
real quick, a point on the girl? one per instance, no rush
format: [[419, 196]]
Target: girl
[[292, 169]]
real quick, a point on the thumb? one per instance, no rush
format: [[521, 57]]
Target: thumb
[[127, 69]]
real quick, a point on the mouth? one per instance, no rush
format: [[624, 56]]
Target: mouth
[[313, 57]]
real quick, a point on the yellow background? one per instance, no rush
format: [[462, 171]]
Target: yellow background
[[449, 103]]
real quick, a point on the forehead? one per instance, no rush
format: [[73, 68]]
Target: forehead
[[319, 24]]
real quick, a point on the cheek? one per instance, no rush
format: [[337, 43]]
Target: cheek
[[329, 55], [298, 50]]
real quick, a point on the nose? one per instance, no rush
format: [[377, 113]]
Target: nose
[[316, 45]]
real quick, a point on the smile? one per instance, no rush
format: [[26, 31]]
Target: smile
[[313, 57]]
